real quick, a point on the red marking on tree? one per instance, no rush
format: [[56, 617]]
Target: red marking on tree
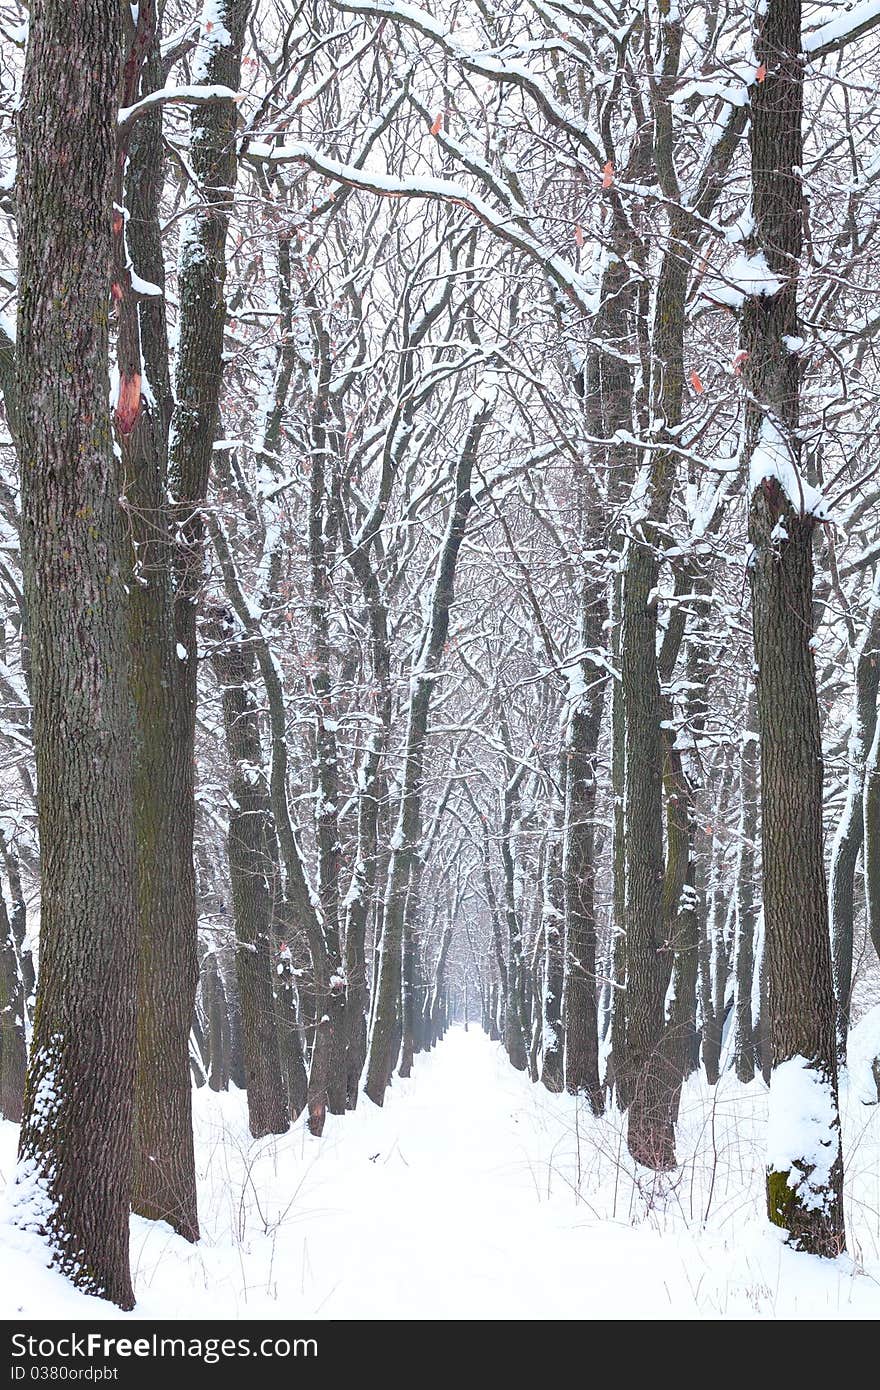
[[761, 73], [697, 384], [437, 126], [739, 362], [608, 174], [116, 291], [128, 406]]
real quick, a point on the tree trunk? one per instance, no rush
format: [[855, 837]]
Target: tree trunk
[[164, 1180], [13, 1049], [74, 1174], [746, 906], [553, 928], [250, 869], [805, 1172], [648, 955], [382, 1052], [579, 1010], [217, 1024]]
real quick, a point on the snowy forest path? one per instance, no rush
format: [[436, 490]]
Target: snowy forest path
[[448, 1208], [458, 1200]]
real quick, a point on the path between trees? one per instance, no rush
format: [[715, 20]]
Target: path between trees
[[457, 1200]]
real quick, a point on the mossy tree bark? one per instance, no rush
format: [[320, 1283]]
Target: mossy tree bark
[[800, 994], [74, 1173]]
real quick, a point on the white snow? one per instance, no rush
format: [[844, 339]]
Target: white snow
[[863, 1051], [744, 278], [474, 1194], [842, 20], [213, 34], [141, 286], [771, 458], [195, 93], [803, 1138]]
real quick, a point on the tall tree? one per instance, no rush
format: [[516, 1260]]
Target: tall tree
[[164, 1181], [805, 1167], [74, 1172]]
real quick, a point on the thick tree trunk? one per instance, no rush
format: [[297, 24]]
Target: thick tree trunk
[[251, 866], [74, 1174], [164, 1181], [805, 1171], [579, 998], [648, 954]]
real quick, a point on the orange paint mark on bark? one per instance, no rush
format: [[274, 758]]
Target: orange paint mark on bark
[[128, 406]]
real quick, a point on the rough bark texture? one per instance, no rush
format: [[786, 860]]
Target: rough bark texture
[[74, 1173], [800, 994], [164, 1180], [579, 1006], [648, 954], [250, 868], [648, 950], [171, 956]]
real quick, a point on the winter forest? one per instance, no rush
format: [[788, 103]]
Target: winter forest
[[440, 658]]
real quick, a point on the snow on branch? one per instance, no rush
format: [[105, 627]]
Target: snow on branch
[[580, 291], [843, 29], [772, 458], [485, 65], [194, 96]]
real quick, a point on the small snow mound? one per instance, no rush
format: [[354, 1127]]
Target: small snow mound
[[803, 1134]]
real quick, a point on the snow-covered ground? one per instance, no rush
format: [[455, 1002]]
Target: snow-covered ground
[[474, 1194]]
